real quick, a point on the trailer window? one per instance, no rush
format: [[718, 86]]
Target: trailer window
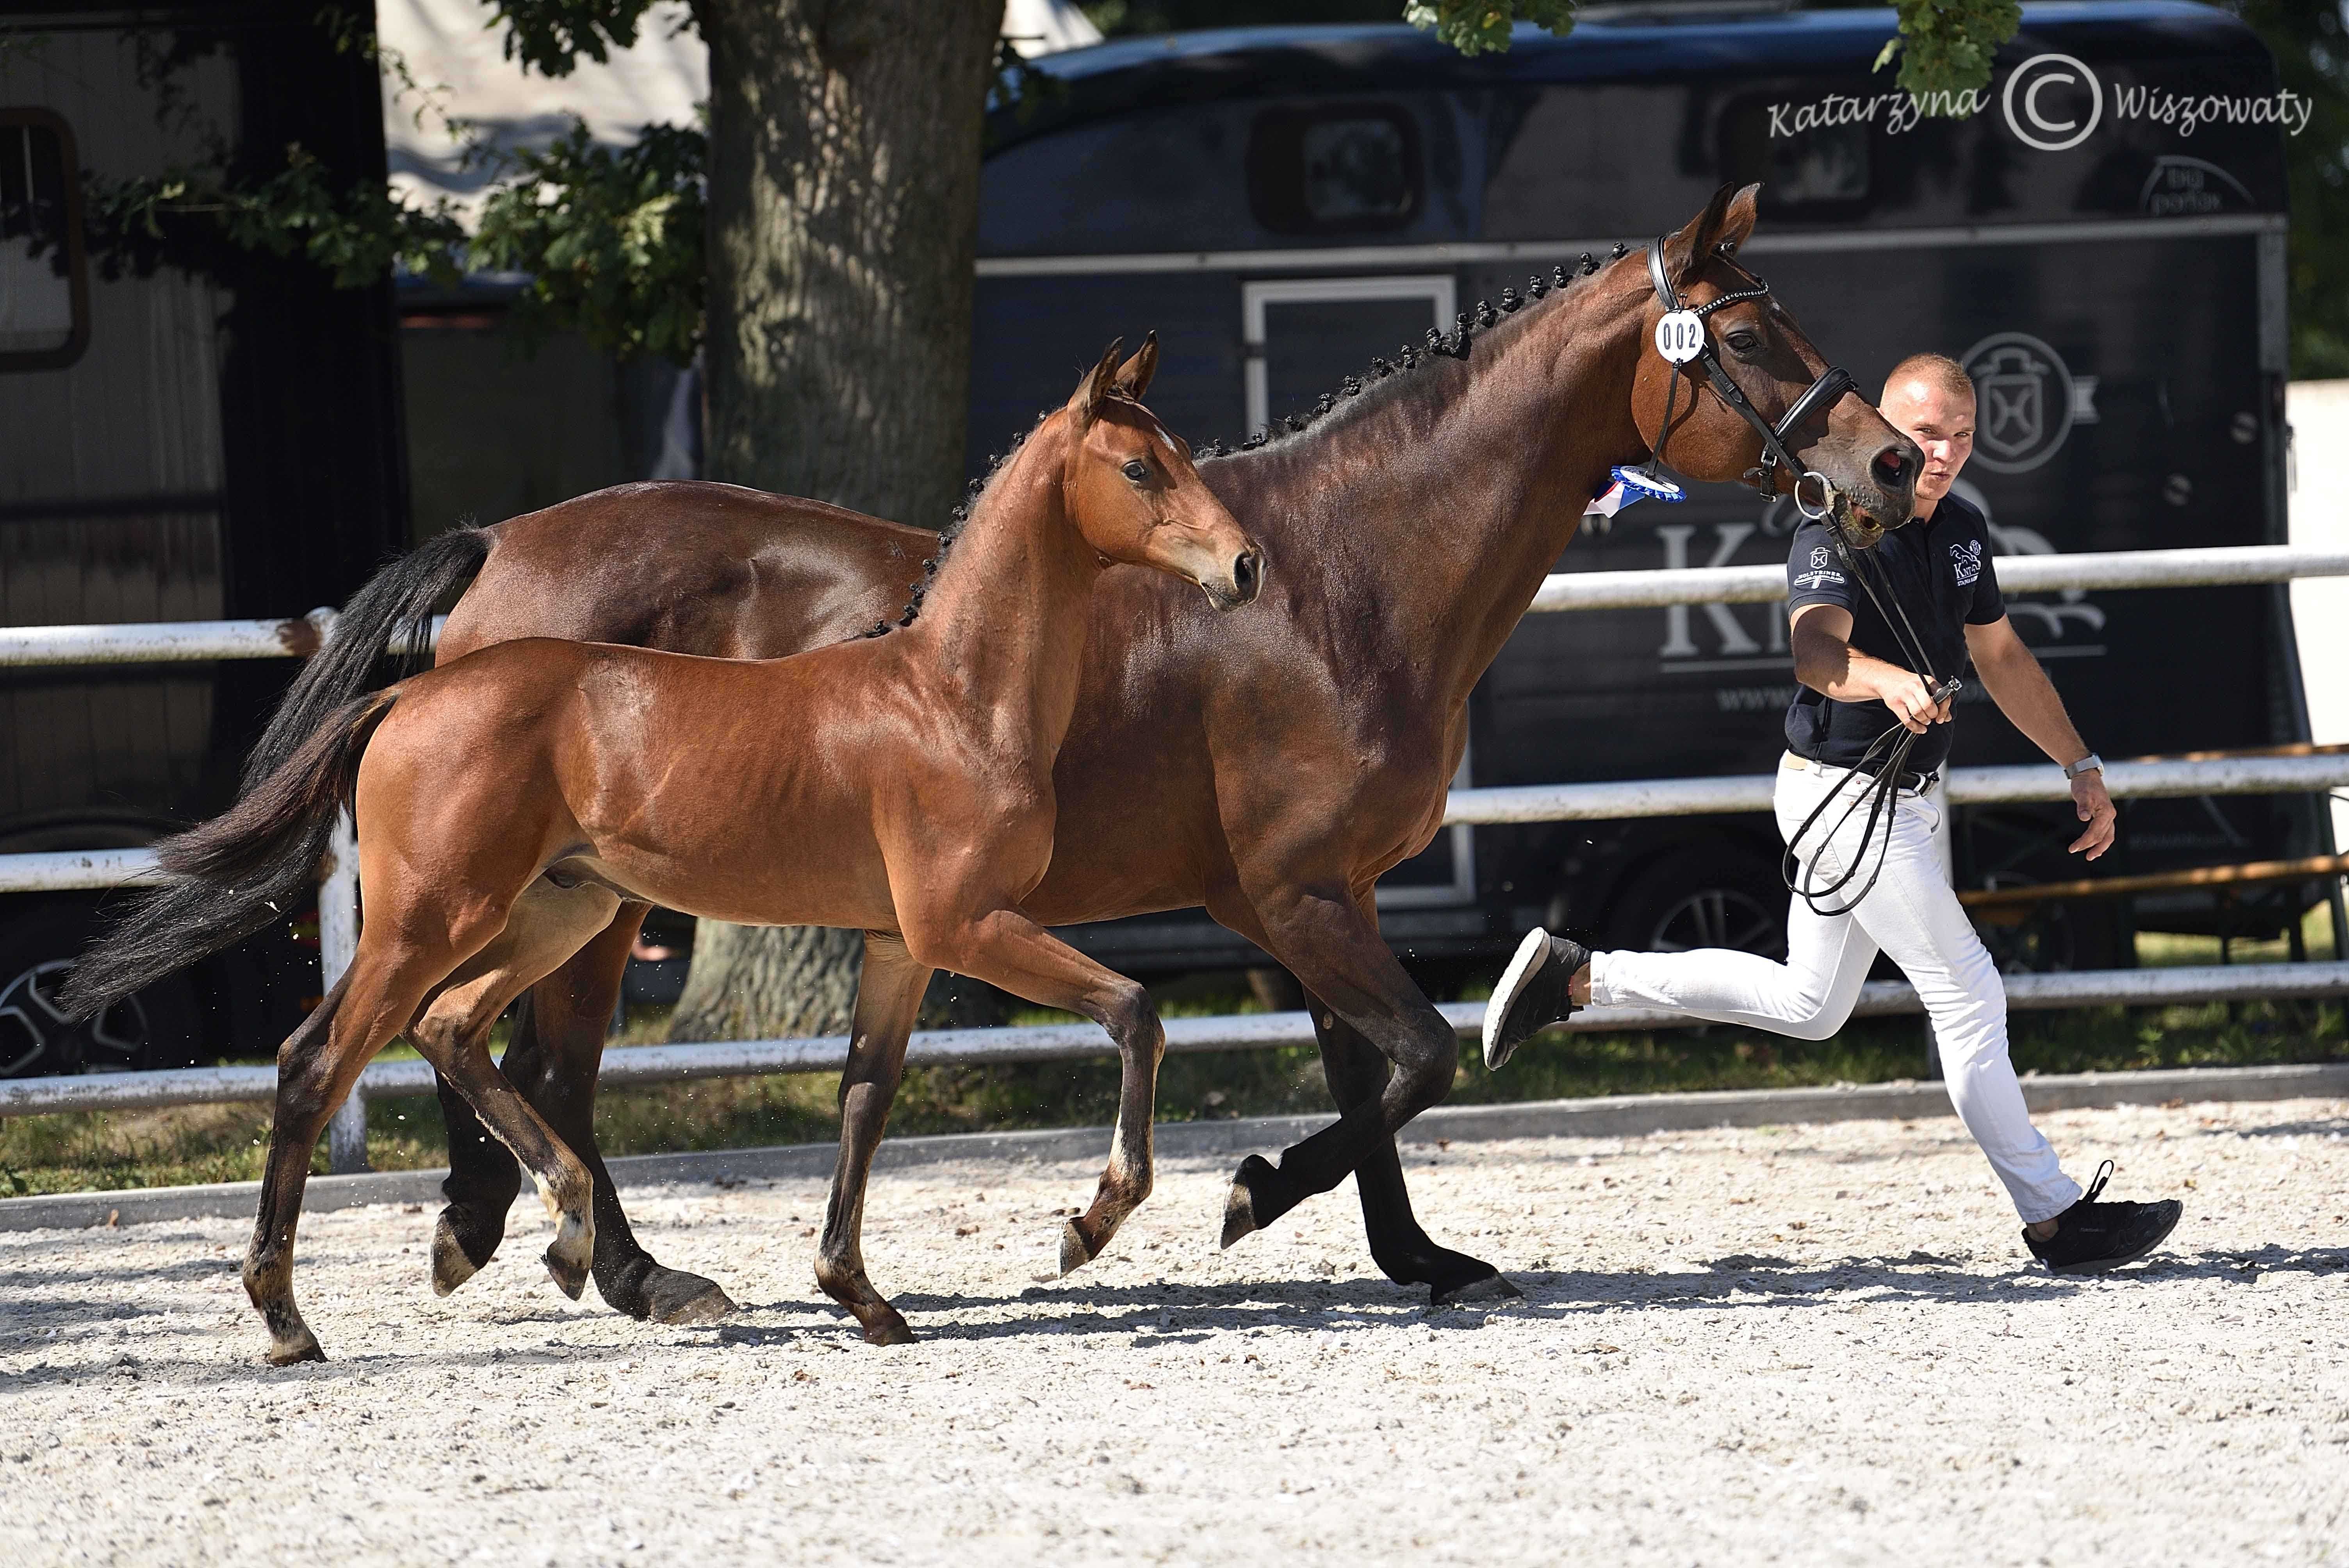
[[1338, 170], [44, 291]]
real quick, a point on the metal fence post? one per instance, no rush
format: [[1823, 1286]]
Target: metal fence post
[[339, 940]]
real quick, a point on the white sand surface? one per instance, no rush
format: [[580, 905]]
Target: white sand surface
[[1819, 1345]]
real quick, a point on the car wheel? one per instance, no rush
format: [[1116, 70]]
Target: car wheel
[[155, 1027], [1703, 898]]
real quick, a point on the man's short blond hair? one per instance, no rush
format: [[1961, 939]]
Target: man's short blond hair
[[1934, 369]]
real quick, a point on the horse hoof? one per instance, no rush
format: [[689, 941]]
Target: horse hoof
[[570, 1278], [1239, 1206], [674, 1297], [1492, 1287], [888, 1330], [1075, 1251], [293, 1352], [451, 1264]]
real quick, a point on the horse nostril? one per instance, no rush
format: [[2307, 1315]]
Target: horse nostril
[[1892, 469], [1245, 573]]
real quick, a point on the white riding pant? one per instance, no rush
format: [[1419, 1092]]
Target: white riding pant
[[1911, 914]]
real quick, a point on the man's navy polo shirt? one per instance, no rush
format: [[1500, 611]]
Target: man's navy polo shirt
[[1941, 574]]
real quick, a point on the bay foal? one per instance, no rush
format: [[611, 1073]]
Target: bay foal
[[507, 804]]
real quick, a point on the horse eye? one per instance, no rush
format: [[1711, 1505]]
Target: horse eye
[[1136, 470], [1744, 342]]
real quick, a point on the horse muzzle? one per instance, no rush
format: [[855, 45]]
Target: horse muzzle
[[1240, 580]]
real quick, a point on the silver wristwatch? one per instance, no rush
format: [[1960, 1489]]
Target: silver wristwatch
[[2091, 763]]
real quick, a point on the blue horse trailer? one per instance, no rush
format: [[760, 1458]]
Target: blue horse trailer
[[2100, 240]]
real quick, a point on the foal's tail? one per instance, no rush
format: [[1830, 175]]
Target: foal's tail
[[392, 616], [239, 873]]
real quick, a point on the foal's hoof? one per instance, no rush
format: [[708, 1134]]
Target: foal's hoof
[[569, 1277], [1075, 1251], [451, 1264], [293, 1352], [889, 1329], [1239, 1206], [672, 1296], [1492, 1287]]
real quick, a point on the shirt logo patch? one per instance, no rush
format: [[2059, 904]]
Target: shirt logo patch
[[1819, 557], [1810, 580], [1966, 560]]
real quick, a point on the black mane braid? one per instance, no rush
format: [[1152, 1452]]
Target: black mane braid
[[1386, 380]]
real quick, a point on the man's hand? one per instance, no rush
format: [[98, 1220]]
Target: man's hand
[[1907, 695], [2094, 806]]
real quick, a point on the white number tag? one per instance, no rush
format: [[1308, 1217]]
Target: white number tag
[[1680, 336]]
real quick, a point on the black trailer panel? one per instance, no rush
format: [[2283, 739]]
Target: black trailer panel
[[1282, 204]]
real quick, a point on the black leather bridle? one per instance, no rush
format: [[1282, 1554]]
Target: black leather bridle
[[1832, 384]]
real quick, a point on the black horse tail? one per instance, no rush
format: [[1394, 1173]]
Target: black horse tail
[[393, 611], [238, 873]]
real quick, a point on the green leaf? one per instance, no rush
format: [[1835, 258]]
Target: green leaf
[[612, 238], [1947, 48], [550, 36], [1481, 27]]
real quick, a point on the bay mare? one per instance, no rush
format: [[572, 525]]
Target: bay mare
[[1269, 767], [509, 802]]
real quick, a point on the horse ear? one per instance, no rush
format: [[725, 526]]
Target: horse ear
[[1727, 221], [1134, 375], [1099, 382]]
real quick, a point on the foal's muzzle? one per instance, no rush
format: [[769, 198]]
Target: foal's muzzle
[[1238, 582]]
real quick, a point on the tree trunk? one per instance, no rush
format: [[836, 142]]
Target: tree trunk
[[845, 143]]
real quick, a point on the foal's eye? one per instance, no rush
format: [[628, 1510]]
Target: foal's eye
[[1136, 470]]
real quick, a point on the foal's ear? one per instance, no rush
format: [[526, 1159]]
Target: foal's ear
[[1098, 384], [1726, 223], [1134, 375]]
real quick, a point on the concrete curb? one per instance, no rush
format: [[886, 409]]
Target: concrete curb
[[1618, 1115]]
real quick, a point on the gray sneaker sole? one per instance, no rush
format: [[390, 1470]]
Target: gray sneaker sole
[[1531, 954]]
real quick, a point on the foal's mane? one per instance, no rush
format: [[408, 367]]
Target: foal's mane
[[1408, 380], [964, 509]]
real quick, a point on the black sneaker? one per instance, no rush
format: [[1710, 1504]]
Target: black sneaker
[[1532, 992], [2091, 1237]]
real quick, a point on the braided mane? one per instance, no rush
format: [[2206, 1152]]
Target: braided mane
[[1385, 379]]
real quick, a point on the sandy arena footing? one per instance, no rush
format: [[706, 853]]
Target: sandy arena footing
[[1815, 1344]]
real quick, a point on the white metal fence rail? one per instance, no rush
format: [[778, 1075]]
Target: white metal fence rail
[[176, 642], [1059, 1042]]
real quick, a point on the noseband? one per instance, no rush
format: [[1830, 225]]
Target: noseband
[[1821, 394]]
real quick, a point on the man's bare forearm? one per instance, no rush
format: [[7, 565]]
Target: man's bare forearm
[[1826, 663]]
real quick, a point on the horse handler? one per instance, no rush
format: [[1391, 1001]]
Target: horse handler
[[1854, 686]]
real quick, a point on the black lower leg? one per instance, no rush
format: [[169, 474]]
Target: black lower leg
[[1404, 1251]]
